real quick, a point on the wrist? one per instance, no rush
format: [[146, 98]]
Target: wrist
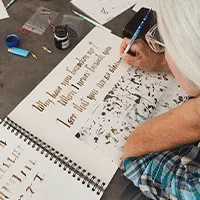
[[136, 145]]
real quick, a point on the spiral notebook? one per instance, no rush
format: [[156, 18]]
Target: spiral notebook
[[31, 169], [80, 116]]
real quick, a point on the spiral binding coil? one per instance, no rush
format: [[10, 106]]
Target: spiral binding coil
[[58, 158]]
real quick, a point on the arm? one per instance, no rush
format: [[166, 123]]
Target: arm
[[168, 175], [170, 130]]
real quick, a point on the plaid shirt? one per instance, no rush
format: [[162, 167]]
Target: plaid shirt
[[168, 175]]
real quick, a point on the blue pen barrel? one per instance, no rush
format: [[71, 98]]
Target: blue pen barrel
[[137, 32]]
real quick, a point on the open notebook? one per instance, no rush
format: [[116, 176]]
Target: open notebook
[[82, 113]]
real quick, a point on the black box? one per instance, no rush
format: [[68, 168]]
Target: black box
[[134, 23]]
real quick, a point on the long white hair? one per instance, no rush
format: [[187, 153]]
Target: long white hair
[[179, 25]]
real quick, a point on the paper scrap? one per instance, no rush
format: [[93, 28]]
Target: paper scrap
[[3, 12]]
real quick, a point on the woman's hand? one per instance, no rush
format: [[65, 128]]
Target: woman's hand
[[144, 56]]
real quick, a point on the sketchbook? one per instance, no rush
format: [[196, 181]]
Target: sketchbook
[[80, 116], [30, 169], [106, 9]]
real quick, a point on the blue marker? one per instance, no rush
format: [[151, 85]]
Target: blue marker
[[136, 33]]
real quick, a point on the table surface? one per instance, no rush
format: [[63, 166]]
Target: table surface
[[19, 76]]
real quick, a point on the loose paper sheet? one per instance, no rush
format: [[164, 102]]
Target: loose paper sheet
[[144, 3], [103, 10], [88, 105], [27, 174], [3, 12]]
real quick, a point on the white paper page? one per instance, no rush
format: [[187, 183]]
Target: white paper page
[[134, 98], [26, 174], [103, 10], [144, 3], [95, 74], [3, 12]]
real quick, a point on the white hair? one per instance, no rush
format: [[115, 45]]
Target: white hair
[[179, 25]]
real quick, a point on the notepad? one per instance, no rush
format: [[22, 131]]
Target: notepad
[[72, 127], [3, 12]]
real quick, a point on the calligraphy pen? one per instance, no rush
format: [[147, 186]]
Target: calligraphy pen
[[91, 21], [135, 35]]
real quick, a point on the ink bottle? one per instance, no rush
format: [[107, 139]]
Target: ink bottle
[[61, 37]]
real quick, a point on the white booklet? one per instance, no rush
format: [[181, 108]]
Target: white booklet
[[89, 104]]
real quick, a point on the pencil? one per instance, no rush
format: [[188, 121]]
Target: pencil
[[91, 21], [135, 35]]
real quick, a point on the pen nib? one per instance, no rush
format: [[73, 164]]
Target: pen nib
[[119, 60]]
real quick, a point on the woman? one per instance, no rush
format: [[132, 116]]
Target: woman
[[161, 155]]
